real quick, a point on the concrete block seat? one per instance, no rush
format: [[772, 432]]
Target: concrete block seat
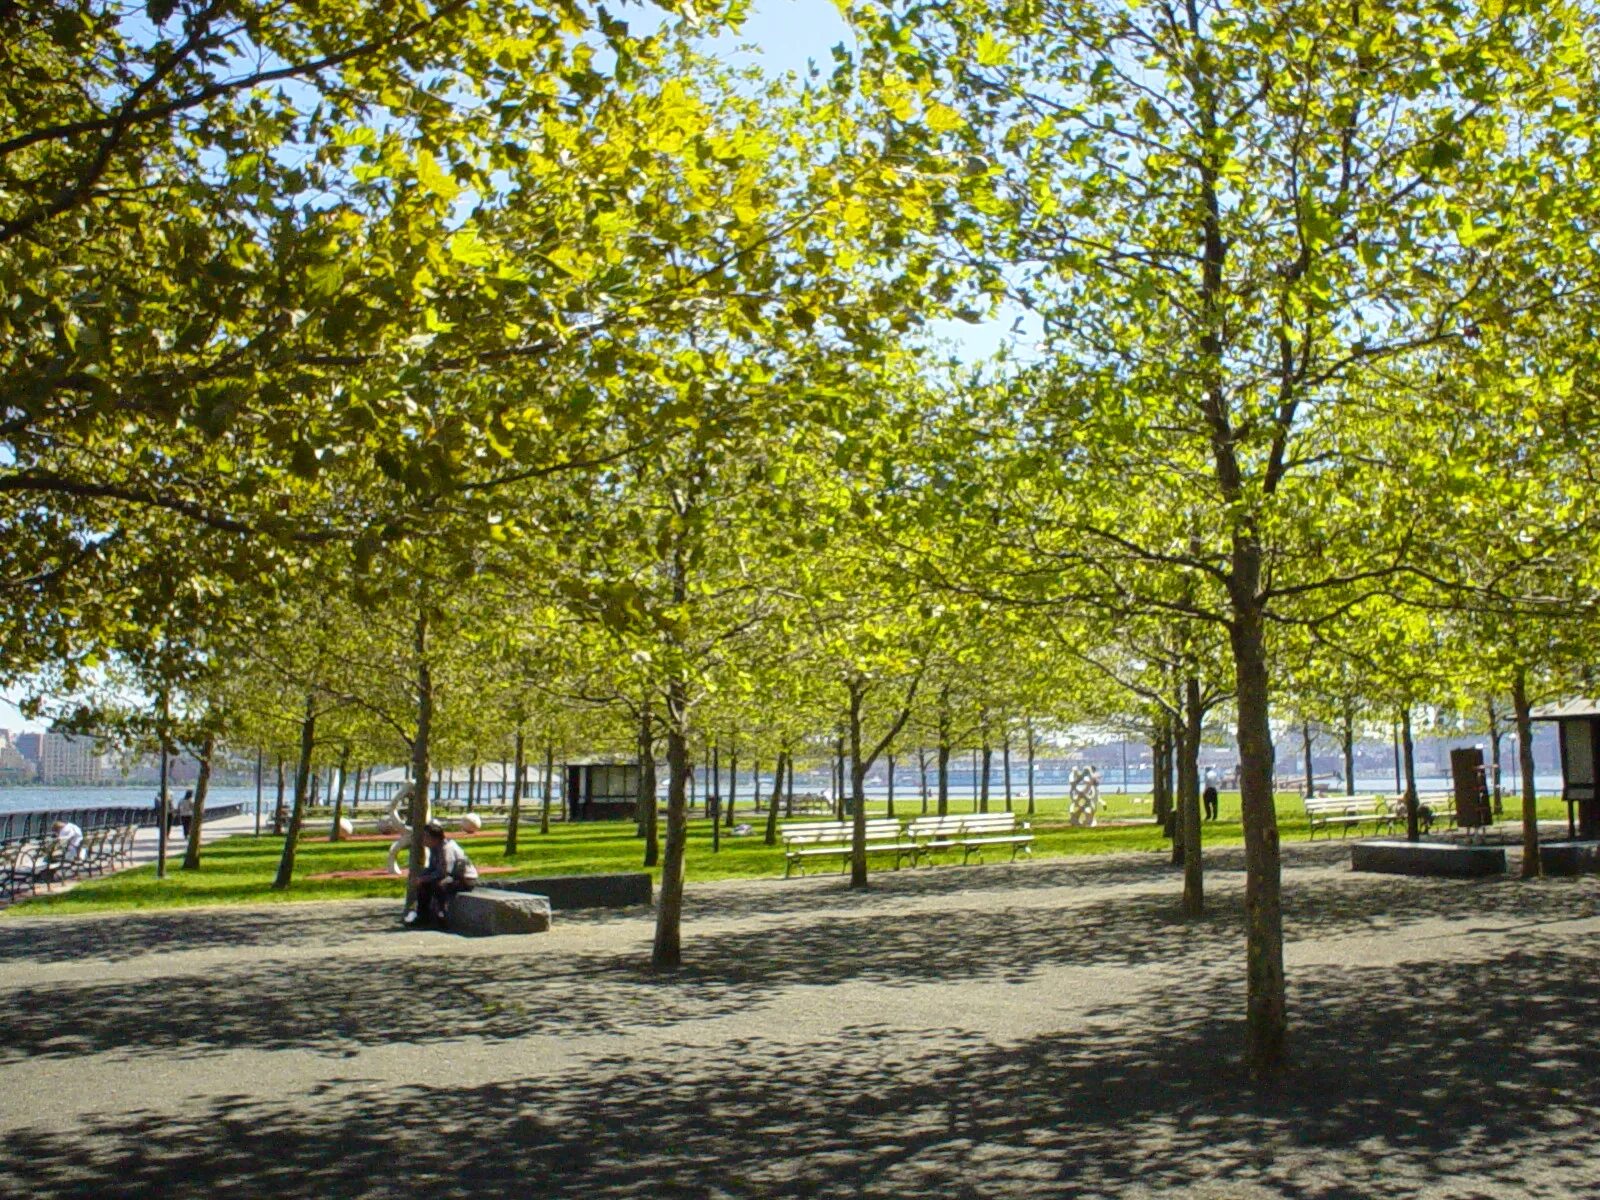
[[1570, 858], [1394, 857], [488, 912], [570, 892]]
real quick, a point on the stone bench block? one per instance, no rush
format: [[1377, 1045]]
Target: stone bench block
[[1427, 858], [487, 912], [569, 892], [1570, 858]]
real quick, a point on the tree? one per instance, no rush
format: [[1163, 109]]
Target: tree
[[1227, 215]]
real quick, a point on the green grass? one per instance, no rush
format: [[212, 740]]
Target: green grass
[[240, 870]]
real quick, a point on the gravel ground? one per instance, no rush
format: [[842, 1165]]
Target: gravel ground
[[1050, 1029]]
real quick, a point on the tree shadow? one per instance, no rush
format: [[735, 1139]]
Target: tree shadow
[[411, 988], [123, 937], [1408, 1078]]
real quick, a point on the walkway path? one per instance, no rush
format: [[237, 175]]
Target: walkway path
[[148, 840], [1038, 1030]]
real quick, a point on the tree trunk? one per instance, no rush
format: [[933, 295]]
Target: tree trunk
[[1160, 799], [890, 811], [1266, 1012], [202, 785], [714, 798], [1496, 732], [777, 795], [858, 791], [667, 954], [549, 786], [421, 760], [1409, 750], [519, 763], [336, 834], [860, 763], [1194, 892], [1532, 866], [647, 788], [164, 800], [278, 812], [1033, 747], [1399, 778], [944, 771], [1305, 745], [1348, 741], [302, 791], [988, 762], [733, 779], [839, 788], [922, 777], [1005, 768]]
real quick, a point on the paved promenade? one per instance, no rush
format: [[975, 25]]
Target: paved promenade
[[1049, 1029]]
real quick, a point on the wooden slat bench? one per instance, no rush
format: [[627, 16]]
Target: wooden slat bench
[[971, 833], [16, 866], [1433, 808], [831, 839], [1347, 812]]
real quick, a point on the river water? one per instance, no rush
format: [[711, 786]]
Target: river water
[[27, 799]]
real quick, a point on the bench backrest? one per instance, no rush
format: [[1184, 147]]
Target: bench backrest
[[1001, 822], [1341, 804], [813, 833]]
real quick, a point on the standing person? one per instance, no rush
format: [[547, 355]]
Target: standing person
[[186, 811], [1209, 799], [449, 871]]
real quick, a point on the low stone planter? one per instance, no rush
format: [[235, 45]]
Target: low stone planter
[[1570, 858], [1393, 857]]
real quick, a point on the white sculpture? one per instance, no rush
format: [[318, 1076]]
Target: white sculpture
[[1083, 796], [395, 824]]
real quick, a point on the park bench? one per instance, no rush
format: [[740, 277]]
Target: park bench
[[1347, 812], [51, 864], [810, 804], [16, 866], [123, 852], [103, 848], [1433, 808], [971, 833], [832, 839]]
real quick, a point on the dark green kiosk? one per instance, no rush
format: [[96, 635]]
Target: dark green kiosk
[[1578, 733], [601, 791]]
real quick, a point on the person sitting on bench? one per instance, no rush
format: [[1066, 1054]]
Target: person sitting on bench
[[449, 871], [69, 849]]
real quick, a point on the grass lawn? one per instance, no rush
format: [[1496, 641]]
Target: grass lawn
[[240, 870]]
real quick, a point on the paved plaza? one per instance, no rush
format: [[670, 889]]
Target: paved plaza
[[1046, 1029]]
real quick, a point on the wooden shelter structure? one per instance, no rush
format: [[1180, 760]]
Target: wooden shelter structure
[[1578, 729], [601, 791]]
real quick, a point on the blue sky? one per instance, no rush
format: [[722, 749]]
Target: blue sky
[[791, 32]]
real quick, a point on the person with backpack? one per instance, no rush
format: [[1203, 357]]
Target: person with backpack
[[448, 871]]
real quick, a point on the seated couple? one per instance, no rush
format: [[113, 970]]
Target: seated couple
[[449, 871]]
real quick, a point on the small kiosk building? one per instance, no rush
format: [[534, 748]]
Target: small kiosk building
[[1578, 727], [601, 791]]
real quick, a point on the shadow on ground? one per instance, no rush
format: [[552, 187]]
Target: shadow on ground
[[1466, 1080], [121, 937], [1428, 1079]]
